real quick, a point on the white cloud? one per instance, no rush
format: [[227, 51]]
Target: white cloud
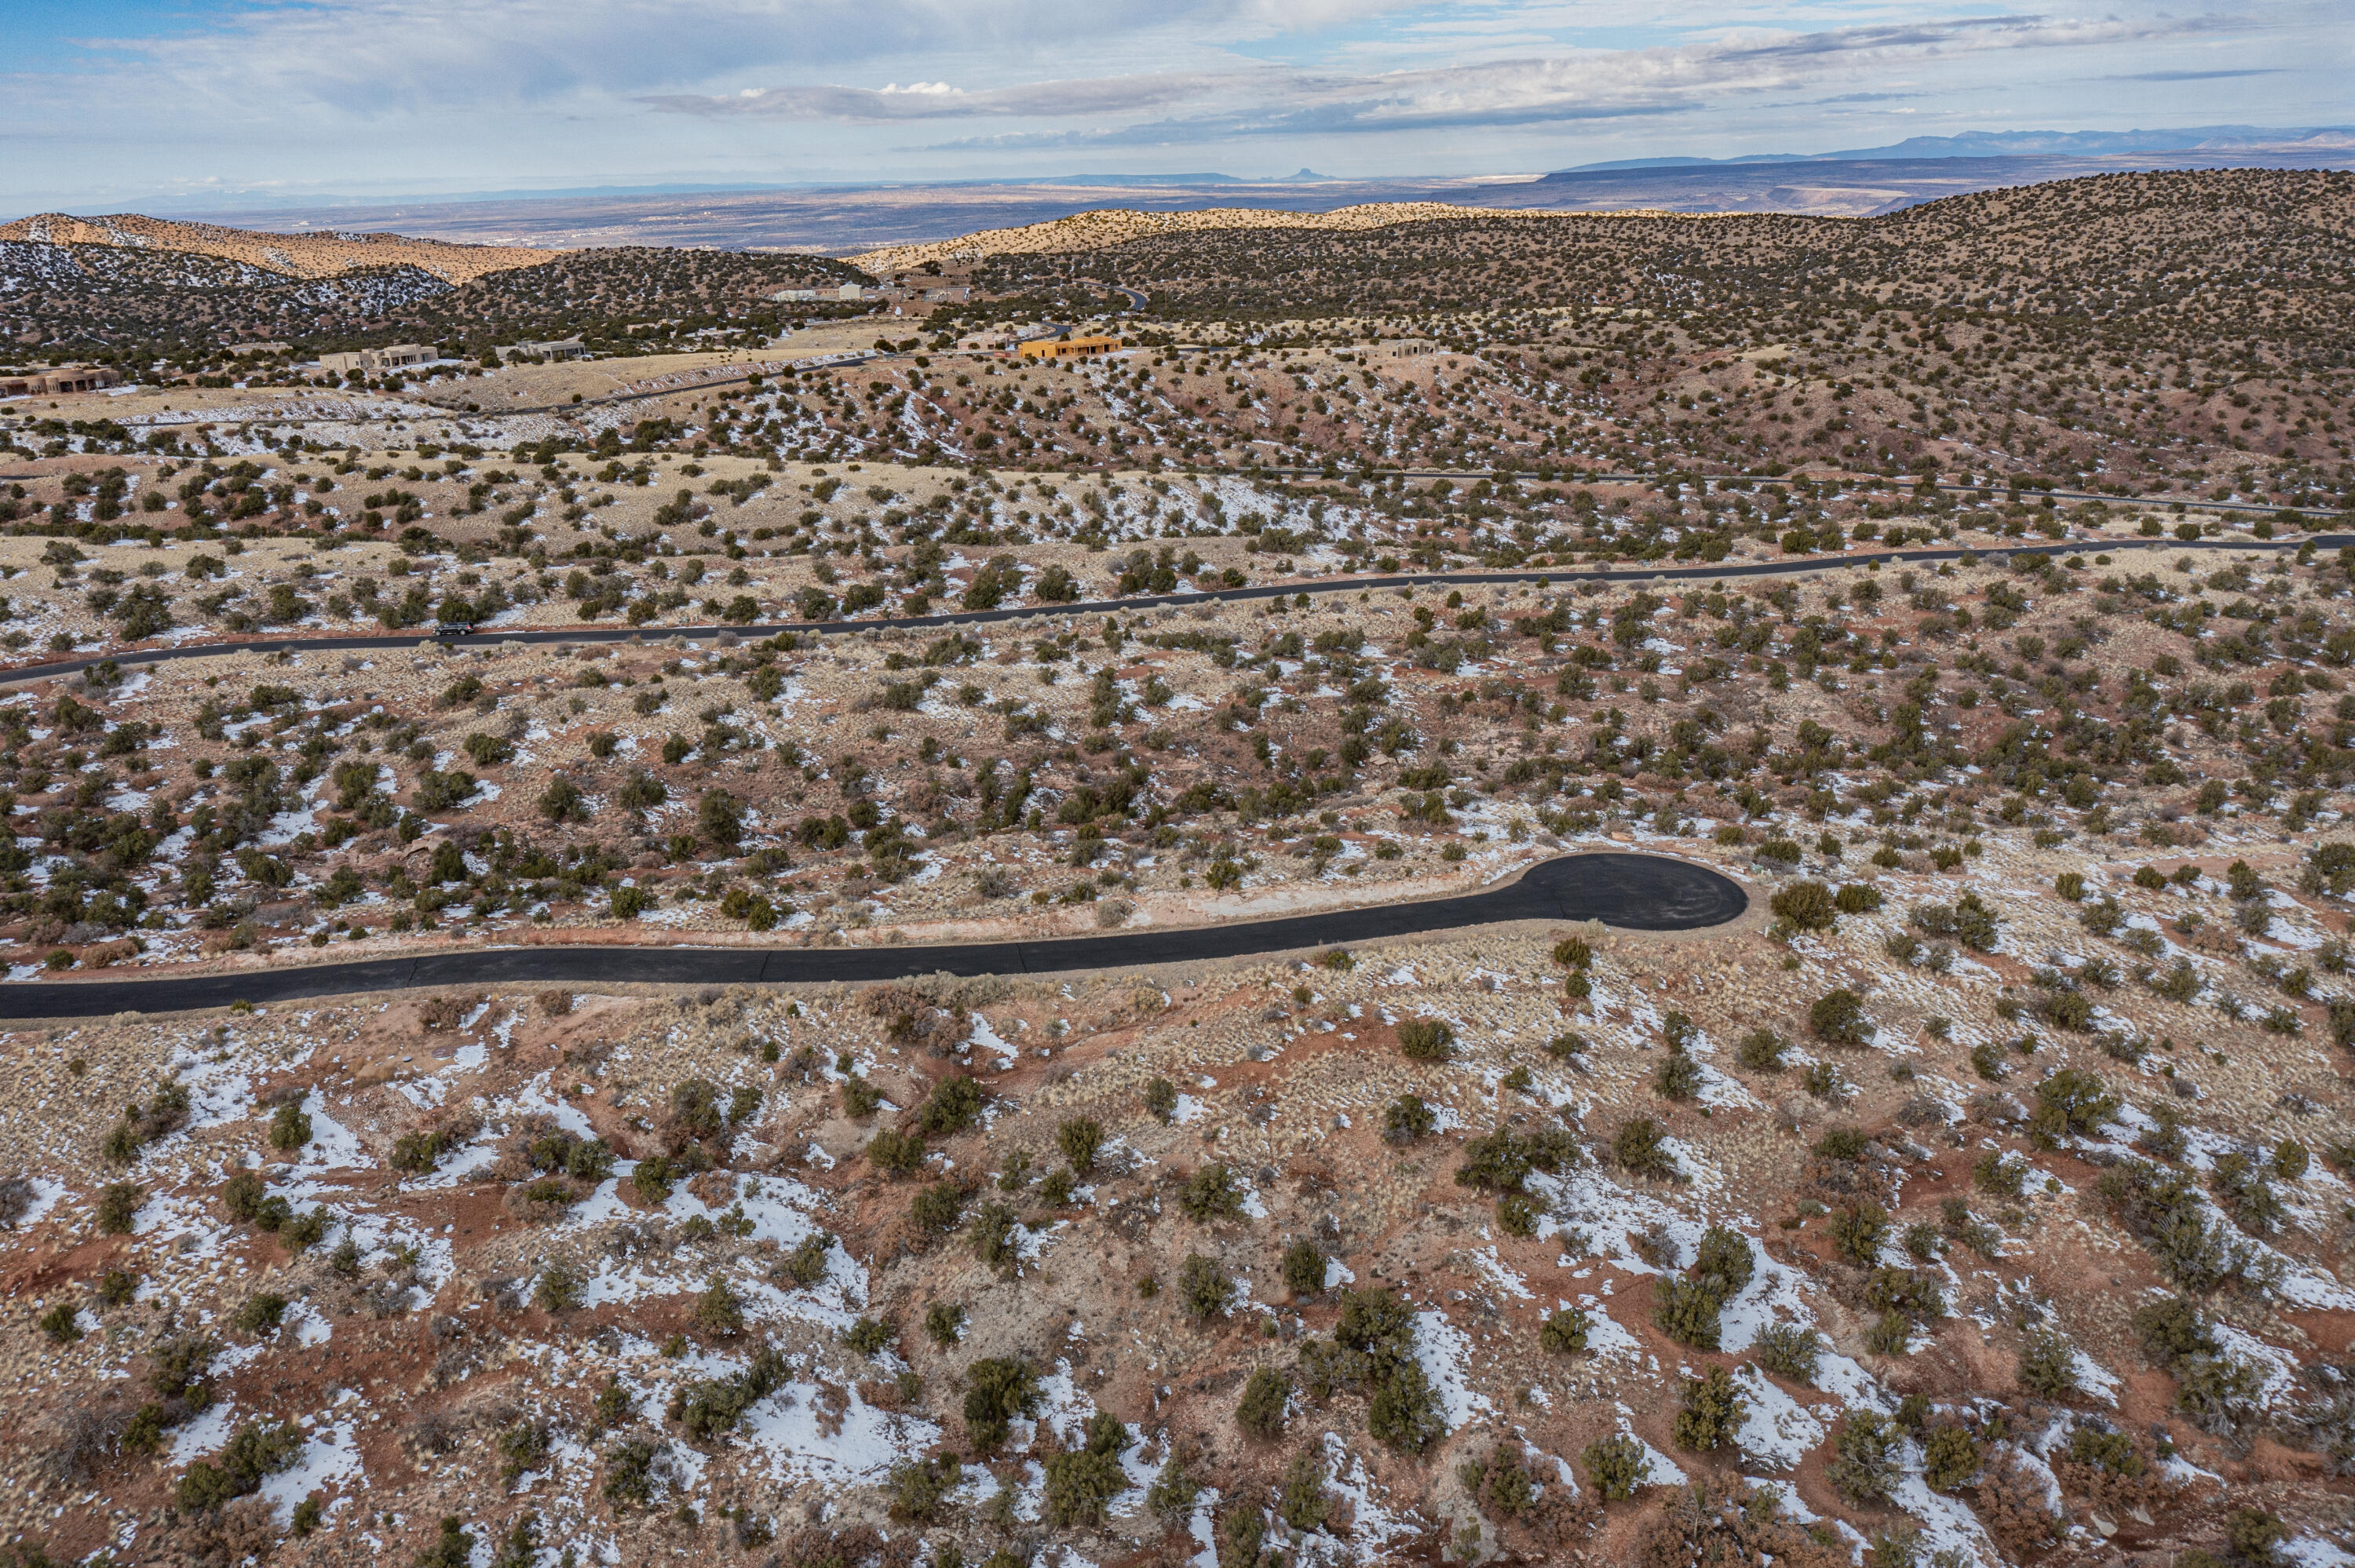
[[1565, 86], [938, 101], [382, 54], [410, 95]]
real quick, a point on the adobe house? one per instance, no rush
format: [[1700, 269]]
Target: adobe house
[[370, 360], [1068, 347], [61, 378]]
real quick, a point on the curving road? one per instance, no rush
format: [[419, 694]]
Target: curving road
[[1796, 566], [1634, 892]]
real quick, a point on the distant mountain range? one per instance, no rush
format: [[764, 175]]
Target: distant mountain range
[[2050, 153], [2028, 144], [319, 201], [845, 220]]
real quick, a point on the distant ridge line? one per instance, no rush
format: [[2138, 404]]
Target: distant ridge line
[[326, 253]]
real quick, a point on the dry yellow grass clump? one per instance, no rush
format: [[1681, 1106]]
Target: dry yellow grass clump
[[291, 255]]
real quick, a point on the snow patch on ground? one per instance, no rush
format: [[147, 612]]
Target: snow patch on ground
[[333, 1146], [1777, 1431], [784, 1428], [330, 1461], [2313, 1552], [1444, 1353]]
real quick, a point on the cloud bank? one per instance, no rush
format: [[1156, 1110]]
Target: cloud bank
[[421, 94], [1512, 91]]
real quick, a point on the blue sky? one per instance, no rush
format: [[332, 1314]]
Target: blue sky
[[116, 104]]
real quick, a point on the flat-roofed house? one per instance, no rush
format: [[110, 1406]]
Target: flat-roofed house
[[1068, 347], [393, 356], [57, 379]]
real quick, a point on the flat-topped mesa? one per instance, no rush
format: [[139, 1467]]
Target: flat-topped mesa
[[326, 254], [1115, 226]]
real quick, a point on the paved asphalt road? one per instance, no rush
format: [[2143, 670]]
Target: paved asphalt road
[[1792, 567], [1635, 892]]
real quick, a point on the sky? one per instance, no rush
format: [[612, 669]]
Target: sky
[[111, 104]]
